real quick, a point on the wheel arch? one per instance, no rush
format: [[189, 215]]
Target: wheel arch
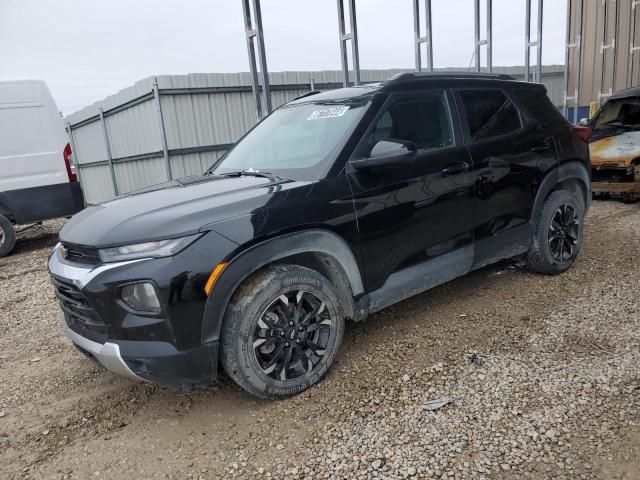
[[321, 250], [572, 176]]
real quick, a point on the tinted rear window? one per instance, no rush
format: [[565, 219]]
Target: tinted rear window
[[490, 113], [539, 105]]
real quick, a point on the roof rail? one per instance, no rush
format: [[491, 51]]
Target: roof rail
[[412, 76]]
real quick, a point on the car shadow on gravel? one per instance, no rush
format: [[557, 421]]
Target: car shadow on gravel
[[36, 237], [31, 238]]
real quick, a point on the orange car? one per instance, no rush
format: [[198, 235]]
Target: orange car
[[615, 146]]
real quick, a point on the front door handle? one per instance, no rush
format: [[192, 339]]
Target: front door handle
[[455, 168]]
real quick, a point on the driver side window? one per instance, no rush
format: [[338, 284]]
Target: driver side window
[[422, 118]]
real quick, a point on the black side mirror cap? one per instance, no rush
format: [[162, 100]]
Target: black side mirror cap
[[388, 153]]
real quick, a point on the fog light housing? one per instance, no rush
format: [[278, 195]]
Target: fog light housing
[[141, 297]]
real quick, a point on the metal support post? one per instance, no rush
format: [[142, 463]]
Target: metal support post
[[259, 80], [608, 47], [163, 133], [344, 37], [632, 42], [107, 147], [487, 41], [537, 43], [74, 152], [576, 46], [427, 39]]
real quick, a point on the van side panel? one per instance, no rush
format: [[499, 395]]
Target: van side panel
[[34, 184]]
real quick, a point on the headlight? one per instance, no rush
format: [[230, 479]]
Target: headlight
[[161, 248]]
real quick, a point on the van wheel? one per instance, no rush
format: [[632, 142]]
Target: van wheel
[[7, 236], [557, 236], [281, 331]]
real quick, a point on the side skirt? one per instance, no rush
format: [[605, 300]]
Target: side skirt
[[419, 278], [514, 241], [425, 276]]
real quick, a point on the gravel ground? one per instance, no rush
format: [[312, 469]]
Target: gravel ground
[[500, 374]]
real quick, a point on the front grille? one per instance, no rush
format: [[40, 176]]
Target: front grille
[[78, 312], [81, 254]]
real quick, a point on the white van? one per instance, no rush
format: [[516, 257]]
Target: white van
[[37, 178]]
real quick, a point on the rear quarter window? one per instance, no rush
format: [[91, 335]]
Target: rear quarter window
[[489, 114], [540, 107]]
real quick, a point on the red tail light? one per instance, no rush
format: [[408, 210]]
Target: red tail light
[[583, 133], [71, 170]]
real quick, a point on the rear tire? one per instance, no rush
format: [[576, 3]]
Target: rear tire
[[558, 232], [7, 236], [281, 331]]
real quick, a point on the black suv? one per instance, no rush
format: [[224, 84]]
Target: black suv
[[335, 206]]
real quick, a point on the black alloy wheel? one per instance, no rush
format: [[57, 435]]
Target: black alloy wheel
[[557, 235], [564, 233], [292, 335], [282, 330]]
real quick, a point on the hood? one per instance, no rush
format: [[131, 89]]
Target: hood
[[171, 209], [617, 150]]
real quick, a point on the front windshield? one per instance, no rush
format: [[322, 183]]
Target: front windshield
[[619, 114], [296, 141]]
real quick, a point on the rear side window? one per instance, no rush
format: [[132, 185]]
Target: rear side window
[[490, 113]]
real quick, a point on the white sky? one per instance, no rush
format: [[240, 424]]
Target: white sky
[[88, 49]]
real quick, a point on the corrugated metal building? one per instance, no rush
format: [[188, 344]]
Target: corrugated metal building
[[606, 33], [172, 126]]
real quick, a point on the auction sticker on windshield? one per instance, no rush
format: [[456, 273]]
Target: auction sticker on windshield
[[331, 112]]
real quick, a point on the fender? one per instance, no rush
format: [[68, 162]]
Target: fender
[[257, 256], [566, 171]]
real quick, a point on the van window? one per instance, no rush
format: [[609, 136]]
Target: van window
[[489, 113], [423, 119]]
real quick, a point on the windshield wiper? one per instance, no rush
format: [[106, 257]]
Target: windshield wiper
[[248, 173], [613, 129]]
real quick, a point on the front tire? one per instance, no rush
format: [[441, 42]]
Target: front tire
[[281, 331], [7, 236], [558, 232]]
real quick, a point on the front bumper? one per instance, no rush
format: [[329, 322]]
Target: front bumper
[[165, 348], [615, 187], [156, 362], [107, 354], [607, 179]]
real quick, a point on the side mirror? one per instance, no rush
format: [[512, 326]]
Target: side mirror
[[388, 153], [584, 122]]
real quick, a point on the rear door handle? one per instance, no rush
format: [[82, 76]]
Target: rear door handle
[[455, 168], [542, 146]]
